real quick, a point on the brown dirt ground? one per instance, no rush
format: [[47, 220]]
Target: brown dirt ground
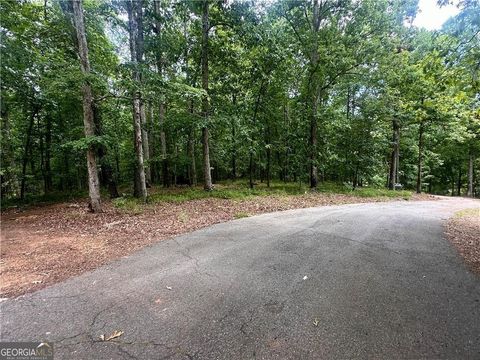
[[44, 245], [463, 231]]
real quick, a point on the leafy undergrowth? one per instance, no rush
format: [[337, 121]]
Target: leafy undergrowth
[[240, 191], [463, 231], [48, 244]]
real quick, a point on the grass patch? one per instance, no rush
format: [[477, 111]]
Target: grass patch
[[128, 204], [239, 190], [241, 215]]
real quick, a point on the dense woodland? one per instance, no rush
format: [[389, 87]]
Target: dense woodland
[[101, 94]]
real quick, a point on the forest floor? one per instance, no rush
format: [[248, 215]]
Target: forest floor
[[463, 231], [45, 244]]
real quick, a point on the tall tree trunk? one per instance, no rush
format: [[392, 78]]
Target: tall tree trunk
[[88, 119], [205, 135], [163, 145], [393, 178], [286, 144], [42, 153], [251, 167], [145, 145], [269, 159], [48, 155], [175, 174], [314, 96], [191, 155], [269, 154], [106, 172], [234, 152], [234, 139], [470, 174], [250, 170], [7, 176], [135, 27], [459, 181], [420, 157], [28, 142], [453, 184], [161, 106]]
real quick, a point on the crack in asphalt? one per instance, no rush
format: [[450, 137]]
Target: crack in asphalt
[[184, 251]]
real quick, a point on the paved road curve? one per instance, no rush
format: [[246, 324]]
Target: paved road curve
[[356, 281]]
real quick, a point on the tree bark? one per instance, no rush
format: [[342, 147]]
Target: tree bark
[[191, 154], [145, 145], [7, 177], [459, 181], [470, 174], [251, 167], [163, 145], [420, 157], [27, 148], [135, 27], [88, 119], [314, 96], [205, 135], [161, 106], [393, 177], [48, 155], [234, 140]]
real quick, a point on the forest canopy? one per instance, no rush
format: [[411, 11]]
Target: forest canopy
[[101, 94]]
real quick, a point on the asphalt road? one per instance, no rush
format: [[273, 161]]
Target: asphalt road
[[356, 281]]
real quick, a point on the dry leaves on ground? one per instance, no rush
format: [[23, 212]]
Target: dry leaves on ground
[[463, 230]]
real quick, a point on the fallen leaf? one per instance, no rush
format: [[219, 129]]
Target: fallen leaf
[[115, 334]]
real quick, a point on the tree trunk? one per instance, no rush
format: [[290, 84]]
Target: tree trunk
[[453, 183], [234, 140], [205, 136], [163, 145], [161, 106], [420, 157], [48, 155], [145, 145], [393, 177], [191, 155], [314, 96], [7, 176], [250, 170], [269, 159], [135, 27], [251, 167], [470, 174], [106, 172], [459, 181], [27, 149], [268, 140], [88, 120], [234, 152], [286, 143]]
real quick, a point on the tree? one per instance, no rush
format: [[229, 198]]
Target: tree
[[135, 29], [88, 118], [207, 185]]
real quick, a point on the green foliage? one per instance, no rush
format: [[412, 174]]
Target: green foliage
[[373, 68]]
